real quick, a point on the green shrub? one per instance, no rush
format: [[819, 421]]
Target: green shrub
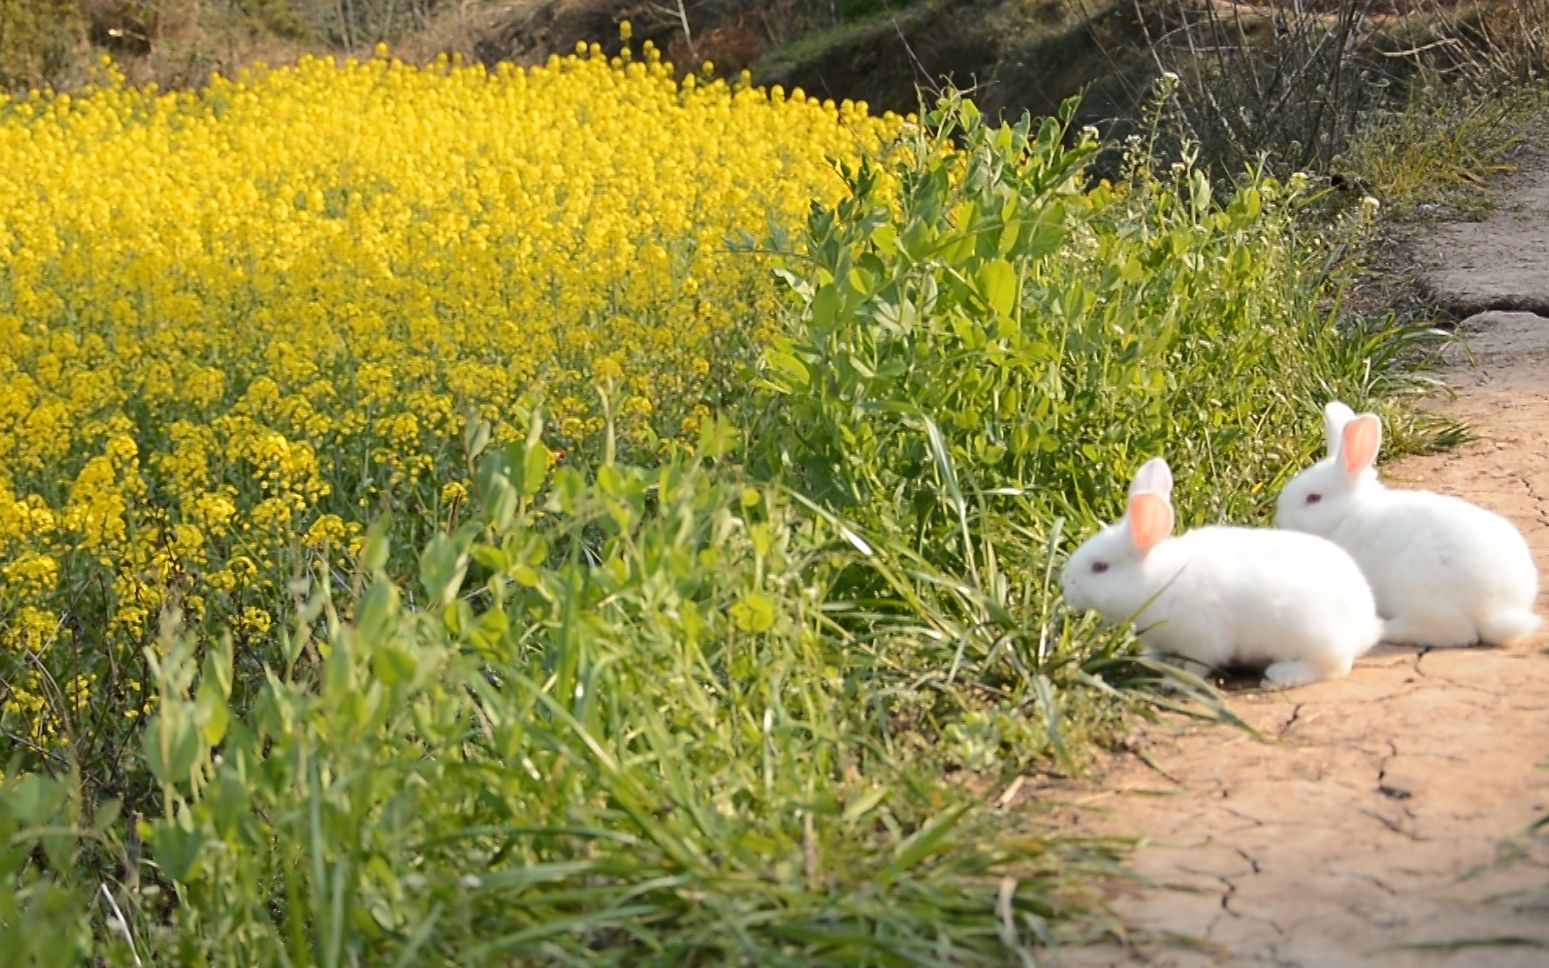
[[1000, 347]]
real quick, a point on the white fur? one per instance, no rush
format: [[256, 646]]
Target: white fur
[[1225, 596], [1445, 572]]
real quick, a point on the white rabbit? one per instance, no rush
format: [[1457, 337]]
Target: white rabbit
[[1445, 572], [1225, 596]]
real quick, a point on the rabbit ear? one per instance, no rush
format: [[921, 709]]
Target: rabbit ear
[[1359, 443], [1335, 416], [1150, 520], [1154, 477]]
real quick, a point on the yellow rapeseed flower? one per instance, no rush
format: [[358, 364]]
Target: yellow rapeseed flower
[[238, 321]]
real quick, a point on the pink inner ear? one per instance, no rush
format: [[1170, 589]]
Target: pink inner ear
[[1150, 520], [1363, 435]]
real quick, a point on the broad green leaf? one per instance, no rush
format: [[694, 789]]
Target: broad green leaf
[[217, 669], [374, 554], [610, 480], [171, 744], [789, 367], [339, 667], [476, 437], [176, 845], [376, 611], [212, 716], [394, 664], [997, 284], [442, 567], [490, 557], [535, 467], [717, 437], [36, 799], [826, 306]]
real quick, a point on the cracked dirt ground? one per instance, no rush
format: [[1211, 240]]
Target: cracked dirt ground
[[1349, 837]]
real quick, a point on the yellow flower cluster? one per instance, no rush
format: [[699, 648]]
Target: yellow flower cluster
[[238, 321]]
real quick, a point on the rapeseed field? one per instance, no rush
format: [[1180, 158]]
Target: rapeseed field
[[241, 321]]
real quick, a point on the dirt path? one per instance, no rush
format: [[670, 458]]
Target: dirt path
[[1347, 839]]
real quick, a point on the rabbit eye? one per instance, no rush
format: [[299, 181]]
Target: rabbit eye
[[1098, 567], [1314, 498]]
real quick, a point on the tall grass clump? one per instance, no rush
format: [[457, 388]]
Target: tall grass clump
[[605, 722], [1306, 83], [1443, 143]]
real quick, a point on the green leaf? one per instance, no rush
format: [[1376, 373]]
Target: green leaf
[[610, 480], [35, 799], [535, 467], [212, 715], [754, 612], [394, 664], [493, 466], [789, 367], [476, 437], [501, 503], [996, 281], [925, 841], [442, 567], [374, 615], [717, 437], [374, 555], [1049, 703], [864, 804], [826, 306], [217, 669], [107, 814], [339, 667], [567, 492], [493, 622], [228, 800], [176, 845], [490, 557], [171, 745]]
